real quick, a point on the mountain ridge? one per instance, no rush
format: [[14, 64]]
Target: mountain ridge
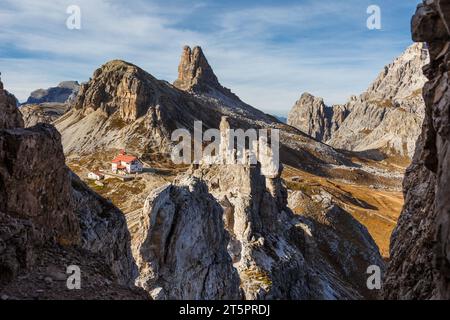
[[377, 118]]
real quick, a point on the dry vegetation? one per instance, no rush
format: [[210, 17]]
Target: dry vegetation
[[377, 209], [374, 200]]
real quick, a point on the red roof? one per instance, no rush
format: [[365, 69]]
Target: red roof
[[124, 157]]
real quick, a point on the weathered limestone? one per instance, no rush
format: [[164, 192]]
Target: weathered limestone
[[249, 239], [420, 260]]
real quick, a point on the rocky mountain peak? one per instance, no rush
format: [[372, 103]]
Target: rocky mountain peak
[[118, 86], [312, 116], [420, 262], [194, 71], [196, 75], [386, 117], [307, 97], [402, 79]]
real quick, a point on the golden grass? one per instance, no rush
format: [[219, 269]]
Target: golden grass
[[376, 209]]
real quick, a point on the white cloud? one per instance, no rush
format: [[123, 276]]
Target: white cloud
[[244, 45]]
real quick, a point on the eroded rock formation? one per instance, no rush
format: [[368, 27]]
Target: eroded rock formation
[[183, 253], [312, 116], [45, 208], [42, 113], [238, 218], [420, 261]]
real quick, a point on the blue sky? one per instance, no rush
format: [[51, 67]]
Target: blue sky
[[267, 52]]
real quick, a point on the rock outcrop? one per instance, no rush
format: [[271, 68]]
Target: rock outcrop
[[44, 207], [62, 93], [420, 261], [387, 117], [312, 116], [42, 113], [10, 116], [194, 71], [219, 228], [183, 253]]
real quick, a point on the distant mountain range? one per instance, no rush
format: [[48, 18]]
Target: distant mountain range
[[386, 118]]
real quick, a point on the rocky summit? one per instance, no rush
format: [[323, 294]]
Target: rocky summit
[[47, 105], [386, 118]]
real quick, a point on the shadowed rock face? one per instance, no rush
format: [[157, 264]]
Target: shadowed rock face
[[420, 260], [196, 75], [312, 116], [44, 205], [194, 71]]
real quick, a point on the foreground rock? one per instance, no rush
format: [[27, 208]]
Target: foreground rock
[[420, 261], [45, 208], [183, 254], [10, 116], [225, 231]]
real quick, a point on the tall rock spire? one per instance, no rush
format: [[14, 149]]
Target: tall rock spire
[[196, 75], [194, 71]]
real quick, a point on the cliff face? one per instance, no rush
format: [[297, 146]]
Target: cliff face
[[9, 113], [48, 214], [234, 223], [420, 261], [387, 117], [312, 116]]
